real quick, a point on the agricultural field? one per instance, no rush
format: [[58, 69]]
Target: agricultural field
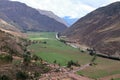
[[55, 50], [117, 79], [104, 67]]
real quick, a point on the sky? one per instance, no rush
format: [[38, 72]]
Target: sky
[[71, 8]]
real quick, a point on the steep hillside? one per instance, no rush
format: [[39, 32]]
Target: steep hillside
[[26, 18], [52, 15], [16, 61], [10, 44], [11, 39], [99, 29], [8, 28]]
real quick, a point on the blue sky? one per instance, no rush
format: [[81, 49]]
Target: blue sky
[[71, 8]]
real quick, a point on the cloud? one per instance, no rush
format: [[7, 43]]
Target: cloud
[[72, 8], [98, 3]]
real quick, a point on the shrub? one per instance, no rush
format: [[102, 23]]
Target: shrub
[[36, 74], [21, 75], [46, 69], [69, 64], [6, 57], [54, 61], [35, 57], [44, 42], [26, 58], [4, 77], [72, 63]]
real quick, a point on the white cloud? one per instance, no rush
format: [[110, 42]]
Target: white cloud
[[72, 8]]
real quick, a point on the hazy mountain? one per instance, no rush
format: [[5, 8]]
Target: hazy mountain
[[99, 29], [52, 15], [70, 21], [27, 18]]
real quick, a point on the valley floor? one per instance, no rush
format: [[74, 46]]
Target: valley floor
[[50, 50]]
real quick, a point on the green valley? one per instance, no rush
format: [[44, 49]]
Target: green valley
[[55, 50]]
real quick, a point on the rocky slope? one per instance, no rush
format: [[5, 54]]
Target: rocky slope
[[26, 18], [9, 44], [99, 29]]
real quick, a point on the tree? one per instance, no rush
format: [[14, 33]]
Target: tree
[[93, 60], [92, 52]]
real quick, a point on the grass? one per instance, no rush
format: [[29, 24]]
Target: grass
[[56, 50], [116, 79], [104, 67]]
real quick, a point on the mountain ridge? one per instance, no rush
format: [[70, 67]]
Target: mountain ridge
[[52, 15], [27, 18], [99, 29]]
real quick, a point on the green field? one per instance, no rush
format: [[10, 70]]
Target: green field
[[62, 53], [117, 79], [56, 50], [104, 67]]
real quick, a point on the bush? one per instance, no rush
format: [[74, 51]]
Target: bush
[[36, 74], [35, 57], [44, 42], [4, 77], [54, 61], [46, 69], [21, 75], [26, 59], [6, 57], [69, 64], [82, 51], [72, 63]]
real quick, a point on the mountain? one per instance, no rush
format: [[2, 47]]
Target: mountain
[[99, 29], [70, 21], [26, 18], [8, 28], [52, 15]]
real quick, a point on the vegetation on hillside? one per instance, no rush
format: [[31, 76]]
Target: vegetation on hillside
[[16, 61]]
